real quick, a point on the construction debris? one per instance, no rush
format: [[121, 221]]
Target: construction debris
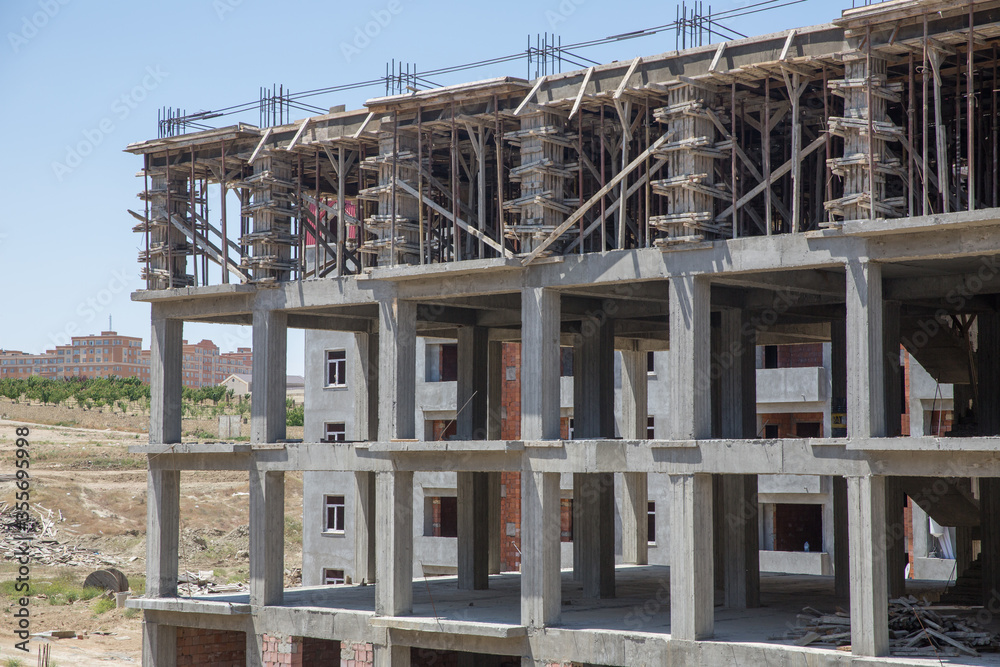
[[45, 549], [191, 584], [915, 629]]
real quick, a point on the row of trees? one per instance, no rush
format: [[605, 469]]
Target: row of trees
[[99, 391]]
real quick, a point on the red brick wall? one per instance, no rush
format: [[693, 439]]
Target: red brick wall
[[510, 429], [219, 648], [510, 514], [282, 651], [510, 393], [357, 655], [786, 422], [565, 519], [802, 355]]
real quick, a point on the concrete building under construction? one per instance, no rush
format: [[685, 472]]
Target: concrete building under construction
[[833, 183]]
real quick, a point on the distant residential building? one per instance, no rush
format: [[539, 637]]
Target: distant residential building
[[113, 354]]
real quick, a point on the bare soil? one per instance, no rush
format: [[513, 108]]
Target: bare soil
[[96, 491]]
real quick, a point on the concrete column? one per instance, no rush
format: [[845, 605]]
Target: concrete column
[[267, 537], [838, 404], [963, 549], [392, 655], [866, 417], [267, 400], [635, 395], [394, 557], [688, 367], [166, 356], [692, 582], [594, 493], [163, 495], [365, 543], [473, 530], [540, 327], [989, 512], [869, 600], [988, 418], [255, 648], [635, 518], [541, 590], [397, 369], [736, 514], [838, 372], [495, 389], [365, 387], [159, 645], [921, 531], [893, 374], [473, 383], [895, 537], [495, 532], [841, 539]]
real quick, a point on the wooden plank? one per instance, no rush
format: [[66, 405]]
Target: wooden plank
[[628, 75], [405, 187], [531, 94], [579, 94], [361, 129], [298, 134], [571, 220], [776, 174], [718, 57], [260, 145], [788, 45]]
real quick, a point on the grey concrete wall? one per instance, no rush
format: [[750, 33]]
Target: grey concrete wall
[[436, 400]]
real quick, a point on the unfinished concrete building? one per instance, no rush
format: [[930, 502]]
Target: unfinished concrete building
[[836, 182]]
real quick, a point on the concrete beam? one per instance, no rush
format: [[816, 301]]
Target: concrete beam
[[270, 350], [394, 556], [267, 544]]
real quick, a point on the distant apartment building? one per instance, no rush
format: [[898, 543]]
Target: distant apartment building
[[105, 355], [113, 354]]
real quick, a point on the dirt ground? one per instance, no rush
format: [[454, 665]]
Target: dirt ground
[[96, 492]]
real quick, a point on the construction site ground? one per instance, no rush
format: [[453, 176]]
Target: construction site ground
[[84, 481]]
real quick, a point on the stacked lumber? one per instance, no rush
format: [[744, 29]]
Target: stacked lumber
[[915, 629]]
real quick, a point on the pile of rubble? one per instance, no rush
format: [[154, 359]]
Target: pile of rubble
[[915, 629], [192, 584], [40, 524]]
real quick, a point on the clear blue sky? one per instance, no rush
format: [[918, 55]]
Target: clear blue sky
[[81, 76]]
